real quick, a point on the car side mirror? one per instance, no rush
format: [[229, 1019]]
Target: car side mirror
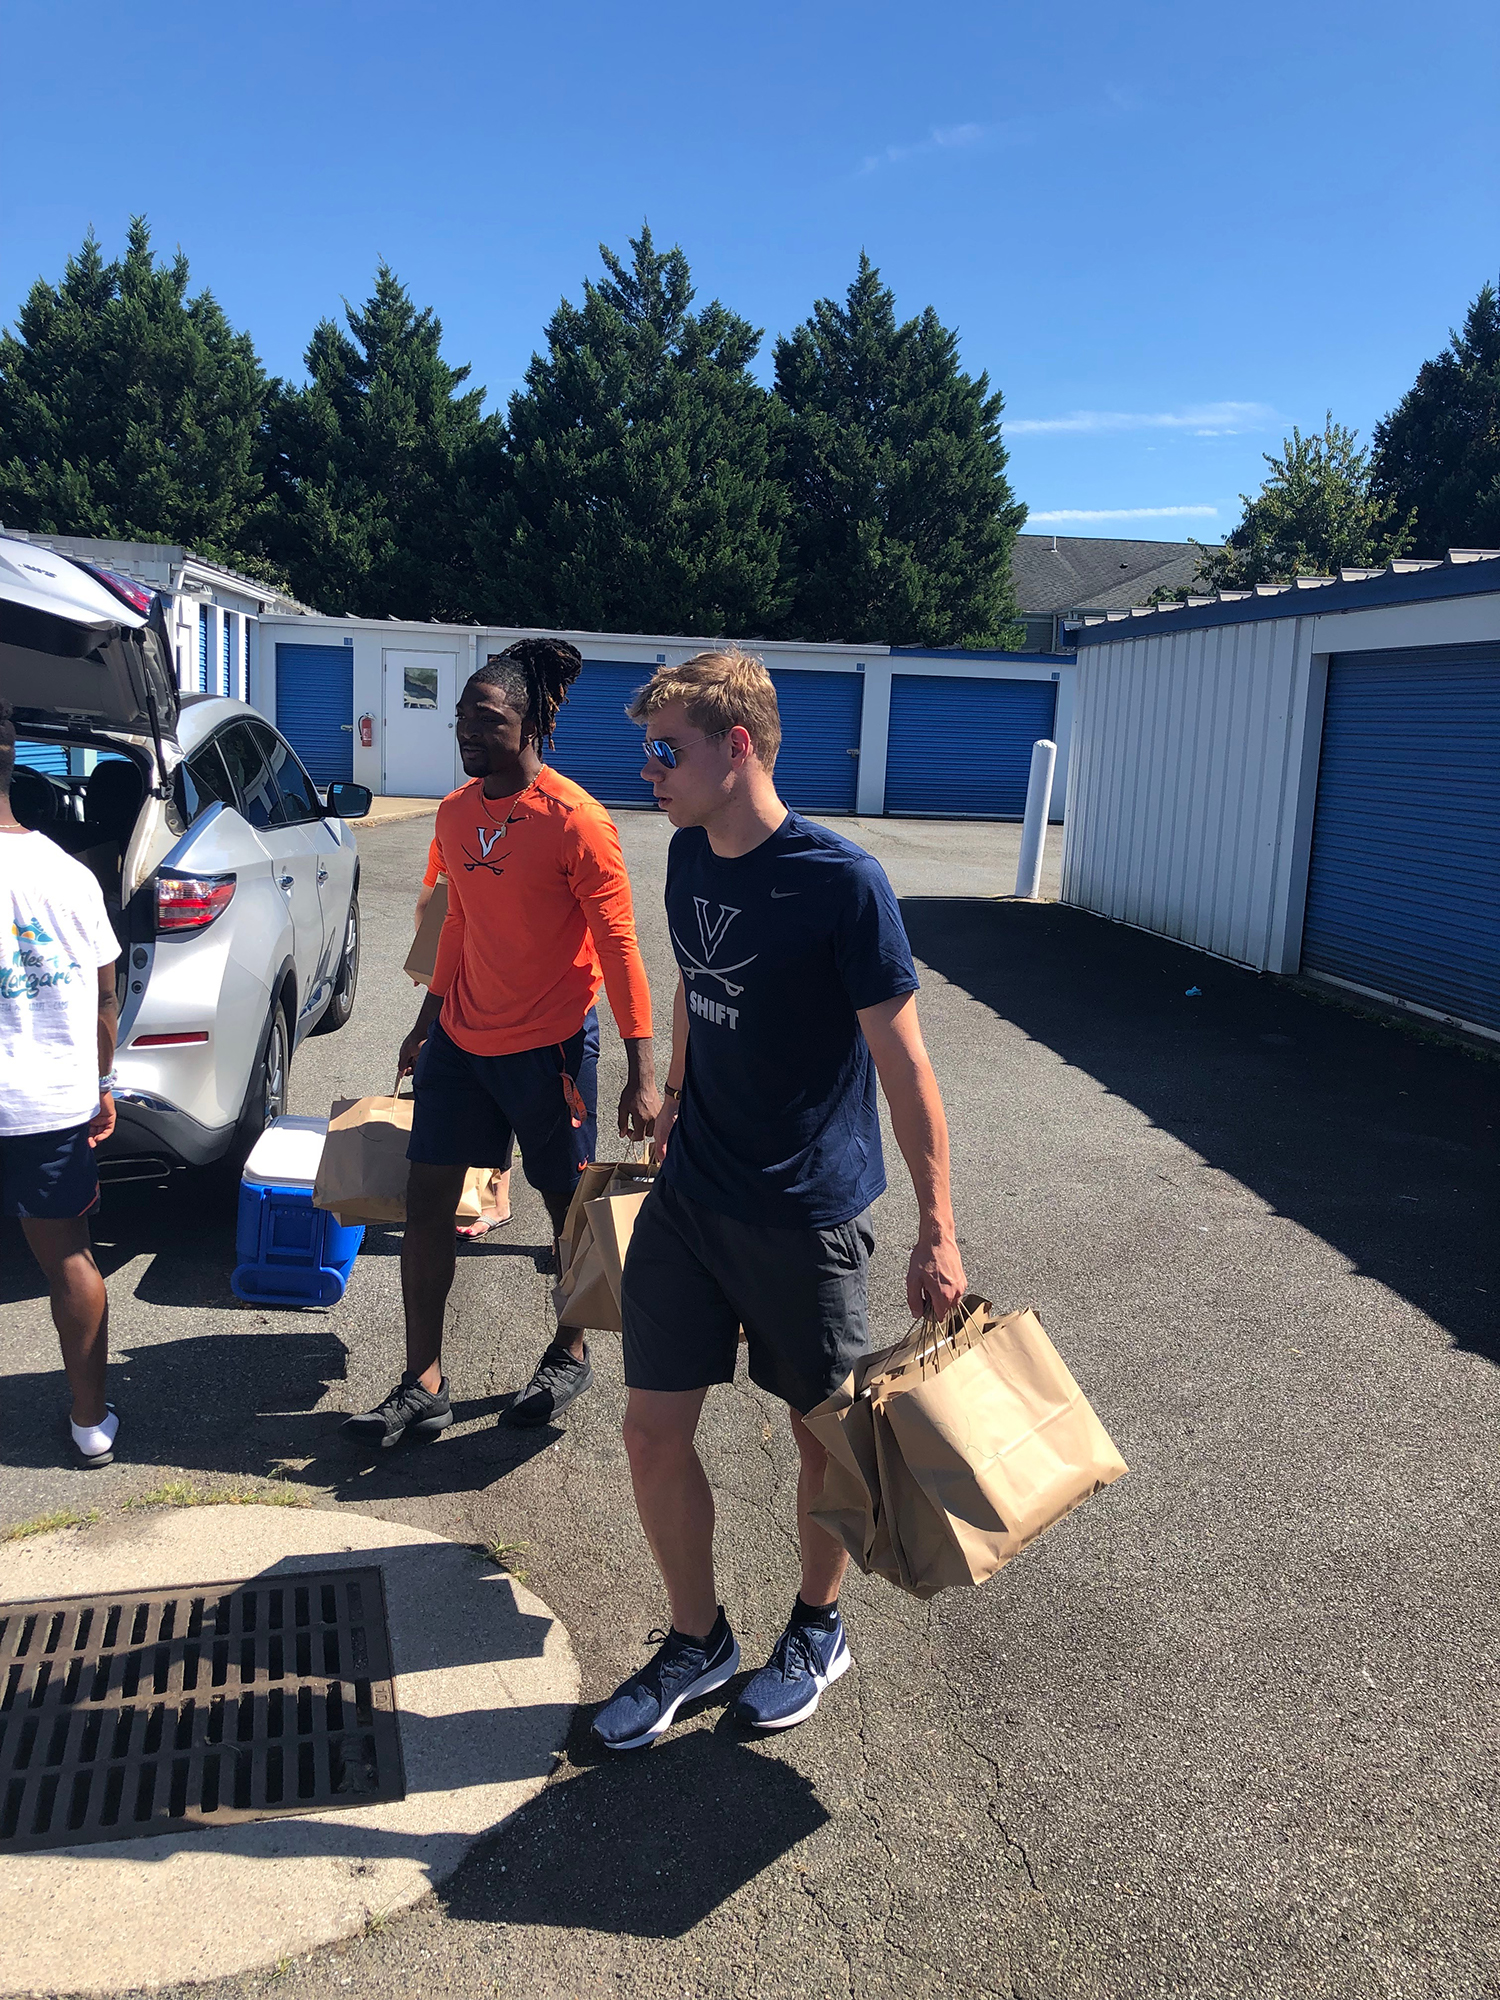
[[349, 801]]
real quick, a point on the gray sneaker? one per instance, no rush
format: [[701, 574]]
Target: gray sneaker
[[558, 1381]]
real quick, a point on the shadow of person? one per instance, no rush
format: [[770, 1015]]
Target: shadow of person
[[246, 1405], [644, 1845]]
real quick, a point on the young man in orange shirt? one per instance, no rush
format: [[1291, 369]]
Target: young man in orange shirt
[[507, 1040]]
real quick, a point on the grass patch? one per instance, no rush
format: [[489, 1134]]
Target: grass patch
[[503, 1556], [65, 1517], [183, 1493]]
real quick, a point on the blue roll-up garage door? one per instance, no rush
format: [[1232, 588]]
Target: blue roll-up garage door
[[315, 708], [1403, 891], [820, 719], [49, 757], [961, 748], [597, 745], [595, 742]]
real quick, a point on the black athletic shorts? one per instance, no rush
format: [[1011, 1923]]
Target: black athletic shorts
[[48, 1176], [467, 1107], [693, 1277]]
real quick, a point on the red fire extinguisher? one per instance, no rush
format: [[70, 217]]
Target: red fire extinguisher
[[367, 730]]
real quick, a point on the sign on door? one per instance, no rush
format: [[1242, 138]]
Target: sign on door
[[420, 693]]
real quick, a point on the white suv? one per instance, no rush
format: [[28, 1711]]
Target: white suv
[[232, 884]]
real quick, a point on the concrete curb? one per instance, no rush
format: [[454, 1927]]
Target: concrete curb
[[390, 812], [485, 1687]]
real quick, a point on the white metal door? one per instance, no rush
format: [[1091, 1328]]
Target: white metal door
[[420, 693]]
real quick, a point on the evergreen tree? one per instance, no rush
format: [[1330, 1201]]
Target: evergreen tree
[[366, 464], [640, 493], [1316, 513], [902, 517], [1438, 452], [128, 409]]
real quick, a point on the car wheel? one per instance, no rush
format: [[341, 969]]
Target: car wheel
[[336, 1014], [270, 1086], [265, 1099]]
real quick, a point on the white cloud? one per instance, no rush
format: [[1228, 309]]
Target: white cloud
[[1202, 419], [943, 139], [1120, 514]]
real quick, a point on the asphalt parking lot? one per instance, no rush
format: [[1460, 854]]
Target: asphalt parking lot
[[1229, 1730]]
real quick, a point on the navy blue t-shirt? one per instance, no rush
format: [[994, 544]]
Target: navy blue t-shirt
[[778, 949]]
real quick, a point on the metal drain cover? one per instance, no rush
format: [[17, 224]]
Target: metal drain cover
[[151, 1712]]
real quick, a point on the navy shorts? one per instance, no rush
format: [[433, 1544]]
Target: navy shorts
[[48, 1176], [694, 1277], [469, 1107]]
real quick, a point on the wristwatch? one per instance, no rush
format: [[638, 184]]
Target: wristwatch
[[107, 1082]]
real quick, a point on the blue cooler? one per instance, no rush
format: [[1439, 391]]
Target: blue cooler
[[291, 1254]]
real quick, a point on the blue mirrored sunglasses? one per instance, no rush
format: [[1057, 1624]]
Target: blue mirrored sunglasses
[[666, 753]]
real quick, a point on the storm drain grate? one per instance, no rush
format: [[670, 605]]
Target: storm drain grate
[[150, 1712]]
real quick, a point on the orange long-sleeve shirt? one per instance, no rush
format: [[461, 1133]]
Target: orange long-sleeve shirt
[[539, 915]]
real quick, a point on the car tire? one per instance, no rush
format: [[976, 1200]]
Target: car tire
[[336, 1014], [266, 1093]]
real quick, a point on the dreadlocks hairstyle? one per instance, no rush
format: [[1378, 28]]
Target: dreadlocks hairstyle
[[534, 675]]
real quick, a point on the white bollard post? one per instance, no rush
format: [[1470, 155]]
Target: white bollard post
[[1034, 826]]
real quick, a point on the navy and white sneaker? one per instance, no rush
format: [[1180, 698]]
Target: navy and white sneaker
[[644, 1707], [807, 1659]]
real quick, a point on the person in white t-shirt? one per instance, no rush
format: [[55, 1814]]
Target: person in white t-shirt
[[57, 1015]]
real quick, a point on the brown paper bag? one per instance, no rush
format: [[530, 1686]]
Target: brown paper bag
[[421, 960], [849, 1505], [363, 1170], [982, 1441], [596, 1235], [362, 1174]]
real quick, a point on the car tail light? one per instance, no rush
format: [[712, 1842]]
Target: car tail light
[[165, 1041], [137, 595], [186, 903]]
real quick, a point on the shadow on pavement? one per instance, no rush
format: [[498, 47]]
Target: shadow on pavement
[[1373, 1139], [245, 1404], [645, 1845]]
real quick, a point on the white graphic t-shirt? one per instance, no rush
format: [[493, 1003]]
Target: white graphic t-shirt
[[54, 936]]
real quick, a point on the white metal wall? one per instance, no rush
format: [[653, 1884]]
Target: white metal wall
[[1194, 774], [1187, 769]]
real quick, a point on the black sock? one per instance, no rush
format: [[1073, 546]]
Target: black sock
[[823, 1616]]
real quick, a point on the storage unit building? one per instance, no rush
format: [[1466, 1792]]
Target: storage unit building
[[867, 729], [1305, 778]]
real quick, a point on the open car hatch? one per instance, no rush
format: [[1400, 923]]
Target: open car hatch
[[75, 652]]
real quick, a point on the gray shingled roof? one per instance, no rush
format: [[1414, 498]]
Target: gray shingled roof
[[1071, 573], [1406, 580]]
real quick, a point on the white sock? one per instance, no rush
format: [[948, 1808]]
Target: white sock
[[91, 1439]]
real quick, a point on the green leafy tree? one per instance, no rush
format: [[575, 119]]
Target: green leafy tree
[[639, 490], [1438, 452], [129, 409], [1315, 513], [903, 519], [368, 462]]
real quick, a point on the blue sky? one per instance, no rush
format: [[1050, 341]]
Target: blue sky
[[1168, 232]]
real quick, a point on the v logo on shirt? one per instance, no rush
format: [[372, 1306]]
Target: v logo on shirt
[[712, 929], [487, 839]]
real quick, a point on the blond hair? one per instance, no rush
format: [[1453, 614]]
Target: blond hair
[[719, 691]]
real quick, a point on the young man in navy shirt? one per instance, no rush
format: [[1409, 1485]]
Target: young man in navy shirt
[[796, 990]]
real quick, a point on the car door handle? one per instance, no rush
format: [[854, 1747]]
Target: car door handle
[[322, 875], [288, 881]]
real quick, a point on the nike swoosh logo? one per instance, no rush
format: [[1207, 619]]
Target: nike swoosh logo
[[781, 895]]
